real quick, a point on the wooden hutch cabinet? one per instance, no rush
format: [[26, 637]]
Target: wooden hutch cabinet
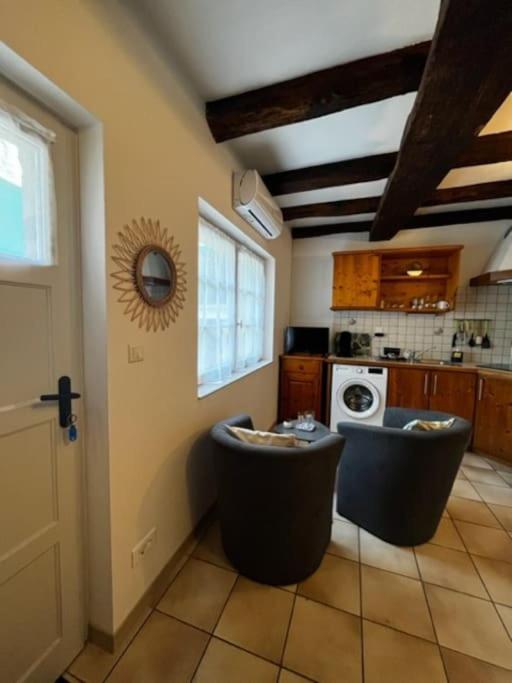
[[378, 279], [301, 386]]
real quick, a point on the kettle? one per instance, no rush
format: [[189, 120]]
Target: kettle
[[343, 344]]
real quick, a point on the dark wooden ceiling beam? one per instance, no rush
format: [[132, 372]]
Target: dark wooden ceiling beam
[[323, 92], [467, 76], [450, 195], [426, 220], [487, 149], [346, 172]]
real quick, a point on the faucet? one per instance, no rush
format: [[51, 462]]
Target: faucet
[[418, 355]]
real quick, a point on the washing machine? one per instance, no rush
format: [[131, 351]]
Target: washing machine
[[358, 394]]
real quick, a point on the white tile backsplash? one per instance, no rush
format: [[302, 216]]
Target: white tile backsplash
[[419, 332]]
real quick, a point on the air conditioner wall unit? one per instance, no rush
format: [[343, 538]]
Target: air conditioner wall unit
[[255, 204]]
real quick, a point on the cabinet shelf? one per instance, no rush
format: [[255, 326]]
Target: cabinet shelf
[[408, 278], [421, 311]]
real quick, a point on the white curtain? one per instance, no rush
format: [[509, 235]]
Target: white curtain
[[250, 309], [231, 306], [217, 305]]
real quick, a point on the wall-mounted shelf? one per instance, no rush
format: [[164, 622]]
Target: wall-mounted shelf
[[419, 311]]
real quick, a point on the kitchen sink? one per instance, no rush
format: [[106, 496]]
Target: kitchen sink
[[434, 361]]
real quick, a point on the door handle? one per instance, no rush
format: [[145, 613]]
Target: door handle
[[64, 397], [434, 390], [425, 384], [480, 388]]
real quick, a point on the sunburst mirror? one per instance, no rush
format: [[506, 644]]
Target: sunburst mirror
[[151, 279]]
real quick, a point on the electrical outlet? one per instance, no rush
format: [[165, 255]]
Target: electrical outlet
[[135, 354], [143, 547]]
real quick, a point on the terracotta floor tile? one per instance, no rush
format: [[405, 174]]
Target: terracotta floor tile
[[393, 657], [256, 618], [324, 644], [483, 476], [497, 577], [506, 617], [447, 536], [229, 664], [198, 594], [289, 677], [507, 476], [344, 540], [499, 495], [210, 548], [474, 460], [93, 664], [449, 568], [292, 587], [501, 466], [504, 515], [461, 475], [471, 511], [469, 625], [464, 669], [163, 650], [377, 553], [335, 583], [384, 596], [484, 541], [464, 489]]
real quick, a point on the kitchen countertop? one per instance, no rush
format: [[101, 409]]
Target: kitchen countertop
[[428, 364]]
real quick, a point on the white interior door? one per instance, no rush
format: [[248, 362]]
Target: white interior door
[[41, 563]]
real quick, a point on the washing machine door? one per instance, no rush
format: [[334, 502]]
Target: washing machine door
[[358, 398]]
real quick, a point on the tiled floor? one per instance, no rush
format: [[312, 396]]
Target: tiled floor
[[372, 612]]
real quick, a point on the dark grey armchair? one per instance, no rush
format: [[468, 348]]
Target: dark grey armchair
[[275, 503], [395, 483]]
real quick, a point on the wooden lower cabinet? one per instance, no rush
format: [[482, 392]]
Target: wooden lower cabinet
[[493, 424], [453, 392], [444, 390], [408, 388], [301, 386]]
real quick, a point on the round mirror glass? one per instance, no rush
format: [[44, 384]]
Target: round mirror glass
[[155, 275]]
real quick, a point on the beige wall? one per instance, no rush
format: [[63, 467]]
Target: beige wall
[[312, 261], [159, 158]]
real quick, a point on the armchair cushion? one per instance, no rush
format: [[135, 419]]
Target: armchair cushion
[[263, 438], [429, 425]]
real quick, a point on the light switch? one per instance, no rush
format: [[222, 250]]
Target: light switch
[[135, 354]]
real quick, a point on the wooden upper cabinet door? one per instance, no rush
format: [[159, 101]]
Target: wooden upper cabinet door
[[355, 280], [408, 388], [453, 392], [493, 424]]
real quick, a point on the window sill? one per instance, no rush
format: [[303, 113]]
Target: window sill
[[207, 389]]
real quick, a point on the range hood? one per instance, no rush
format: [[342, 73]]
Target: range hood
[[499, 268]]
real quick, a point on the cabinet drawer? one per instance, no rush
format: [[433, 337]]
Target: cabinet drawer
[[312, 365]]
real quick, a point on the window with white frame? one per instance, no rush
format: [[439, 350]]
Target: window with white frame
[[232, 308], [27, 195]]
